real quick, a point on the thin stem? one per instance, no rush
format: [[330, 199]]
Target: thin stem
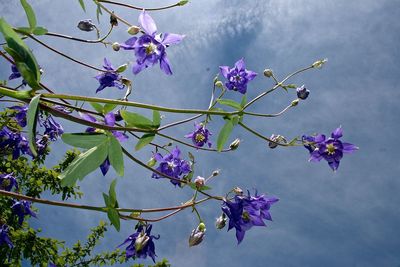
[[100, 40], [260, 135], [113, 14], [136, 7], [268, 115]]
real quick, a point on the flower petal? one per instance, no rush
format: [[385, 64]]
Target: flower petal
[[337, 133], [240, 65], [224, 71], [147, 23], [109, 119], [172, 38], [349, 148], [250, 75], [164, 65]]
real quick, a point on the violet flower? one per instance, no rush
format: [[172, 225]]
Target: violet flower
[[141, 243], [150, 47], [247, 211], [172, 165], [22, 208], [238, 76], [331, 149], [8, 181], [302, 92], [200, 135], [52, 128], [20, 115], [14, 141], [15, 74], [110, 78], [4, 238]]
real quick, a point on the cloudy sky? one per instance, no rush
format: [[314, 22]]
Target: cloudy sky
[[347, 218]]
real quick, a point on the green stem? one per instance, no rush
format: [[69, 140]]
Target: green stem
[[260, 135], [136, 7], [79, 39]]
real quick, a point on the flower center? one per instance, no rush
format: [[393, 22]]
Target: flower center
[[5, 183], [199, 137], [245, 216], [171, 165], [330, 148], [238, 78], [150, 48]]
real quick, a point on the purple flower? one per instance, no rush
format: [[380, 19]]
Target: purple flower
[[141, 243], [4, 238], [172, 165], [302, 92], [200, 135], [20, 115], [238, 76], [247, 211], [331, 149], [52, 129], [110, 78], [150, 47], [15, 74], [22, 208], [109, 119], [14, 141], [7, 182]]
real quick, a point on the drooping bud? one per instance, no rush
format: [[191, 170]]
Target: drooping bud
[[116, 46], [302, 92], [219, 84], [294, 103], [199, 181], [197, 235], [318, 64], [235, 144], [215, 173], [118, 116], [221, 221], [113, 20], [133, 30], [268, 73], [141, 241], [152, 161], [238, 191], [86, 25], [275, 140]]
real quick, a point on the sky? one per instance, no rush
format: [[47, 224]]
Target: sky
[[347, 218]]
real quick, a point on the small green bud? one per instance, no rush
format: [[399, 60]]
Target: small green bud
[[116, 46], [318, 64], [183, 2], [197, 235], [133, 30], [152, 161], [295, 102], [219, 84], [235, 144], [268, 73]]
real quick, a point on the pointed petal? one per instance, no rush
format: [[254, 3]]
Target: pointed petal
[[337, 133], [315, 156], [334, 165], [109, 119], [120, 136], [224, 71], [138, 68], [250, 75], [240, 65], [240, 235], [164, 65], [349, 148], [172, 38], [147, 23], [87, 117], [105, 166]]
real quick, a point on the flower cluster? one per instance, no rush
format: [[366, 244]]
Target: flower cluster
[[200, 136], [331, 149], [150, 47], [8, 181], [110, 78], [15, 74], [22, 208], [238, 76], [247, 211], [4, 238], [172, 165], [141, 243]]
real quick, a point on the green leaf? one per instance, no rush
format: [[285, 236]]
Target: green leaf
[[25, 30], [156, 118], [30, 14], [98, 13], [224, 135], [114, 218], [106, 200], [108, 108], [202, 188], [82, 5], [40, 31], [84, 164], [121, 68], [98, 107], [31, 117], [23, 57], [244, 101], [111, 193], [115, 156], [144, 140], [83, 140], [136, 120], [230, 103]]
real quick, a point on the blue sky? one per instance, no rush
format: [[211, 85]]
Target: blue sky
[[347, 218]]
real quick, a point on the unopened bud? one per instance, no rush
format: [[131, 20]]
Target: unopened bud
[[86, 25], [268, 73], [318, 64], [221, 221], [133, 30], [113, 20], [219, 84], [275, 140], [294, 103], [215, 173], [118, 116], [302, 92], [238, 191], [197, 235], [152, 161], [116, 46], [235, 144], [199, 181]]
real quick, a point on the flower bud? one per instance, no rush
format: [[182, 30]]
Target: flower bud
[[141, 241], [276, 139], [152, 161], [199, 181], [294, 103], [215, 173], [86, 25], [302, 92], [133, 30], [318, 64], [118, 116], [116, 46], [238, 191], [219, 84], [197, 235], [221, 221], [235, 144], [113, 20], [268, 73]]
